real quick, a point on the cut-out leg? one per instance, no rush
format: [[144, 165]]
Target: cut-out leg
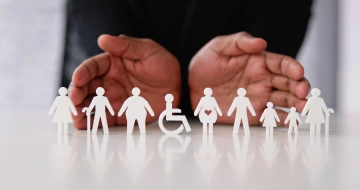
[[318, 128], [246, 127], [211, 126], [204, 128], [105, 125], [236, 125], [95, 124], [267, 131], [59, 127], [312, 128], [271, 130], [66, 128], [290, 129], [130, 125], [142, 123], [296, 131]]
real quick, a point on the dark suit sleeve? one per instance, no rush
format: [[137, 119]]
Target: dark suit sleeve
[[282, 23]]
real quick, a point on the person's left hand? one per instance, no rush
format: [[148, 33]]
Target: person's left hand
[[228, 63]]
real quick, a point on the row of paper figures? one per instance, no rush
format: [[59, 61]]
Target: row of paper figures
[[136, 108]]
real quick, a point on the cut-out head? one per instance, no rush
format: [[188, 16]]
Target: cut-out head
[[63, 91], [135, 91], [100, 91], [208, 92], [269, 105], [315, 92], [169, 98], [241, 92], [293, 109]]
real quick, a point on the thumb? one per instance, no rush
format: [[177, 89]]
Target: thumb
[[127, 47], [237, 44]]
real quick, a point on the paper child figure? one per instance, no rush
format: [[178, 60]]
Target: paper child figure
[[207, 110], [315, 106], [136, 107], [269, 116], [293, 117], [63, 106], [241, 104], [169, 98], [100, 102]]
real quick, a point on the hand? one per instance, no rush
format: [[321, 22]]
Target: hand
[[127, 63], [227, 63]]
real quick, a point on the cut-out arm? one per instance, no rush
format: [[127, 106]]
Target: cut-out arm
[[251, 109], [72, 107], [198, 107], [324, 107], [276, 116], [306, 108], [123, 108], [232, 107], [91, 106], [148, 107], [107, 103], [54, 106], [287, 119], [263, 116], [298, 118], [217, 108]]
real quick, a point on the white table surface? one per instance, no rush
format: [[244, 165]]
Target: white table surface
[[33, 156]]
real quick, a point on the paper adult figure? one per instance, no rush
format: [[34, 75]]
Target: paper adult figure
[[293, 117], [241, 104], [169, 98], [269, 117], [136, 107], [63, 106], [100, 102], [314, 107], [208, 109]]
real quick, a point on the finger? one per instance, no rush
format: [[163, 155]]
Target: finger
[[90, 69], [94, 84], [286, 99], [127, 47], [237, 44], [284, 65], [78, 94], [298, 88]]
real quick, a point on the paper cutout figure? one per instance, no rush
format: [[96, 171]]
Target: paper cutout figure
[[136, 107], [269, 116], [207, 158], [243, 160], [315, 106], [293, 117], [241, 104], [168, 115], [100, 102], [100, 163], [207, 109], [63, 106], [136, 158], [172, 154], [269, 151]]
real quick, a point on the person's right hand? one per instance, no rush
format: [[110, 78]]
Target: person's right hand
[[127, 63]]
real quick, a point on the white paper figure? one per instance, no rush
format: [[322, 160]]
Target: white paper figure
[[269, 117], [172, 154], [293, 117], [63, 106], [136, 158], [62, 158], [328, 121], [136, 107], [207, 158], [101, 161], [88, 118], [207, 109], [293, 149], [314, 107], [168, 115], [269, 151], [100, 102], [241, 104], [242, 161]]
